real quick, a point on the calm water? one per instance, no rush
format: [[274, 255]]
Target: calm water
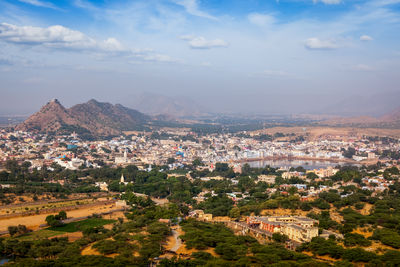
[[306, 164]]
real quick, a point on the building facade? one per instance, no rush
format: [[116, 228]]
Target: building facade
[[297, 228]]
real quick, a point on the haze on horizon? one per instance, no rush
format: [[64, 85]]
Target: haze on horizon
[[256, 56]]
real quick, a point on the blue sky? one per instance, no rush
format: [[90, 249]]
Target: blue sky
[[267, 56]]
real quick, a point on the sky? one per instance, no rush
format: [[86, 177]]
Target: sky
[[231, 56]]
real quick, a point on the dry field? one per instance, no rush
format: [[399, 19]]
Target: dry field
[[183, 251], [48, 197], [90, 251], [343, 132], [33, 206], [363, 231], [34, 221], [367, 209], [323, 258]]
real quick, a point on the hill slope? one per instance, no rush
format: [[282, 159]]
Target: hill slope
[[92, 117]]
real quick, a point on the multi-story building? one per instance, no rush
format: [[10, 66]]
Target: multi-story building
[[297, 228]]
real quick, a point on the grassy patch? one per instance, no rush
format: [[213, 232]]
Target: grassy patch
[[81, 225], [67, 228], [41, 234]]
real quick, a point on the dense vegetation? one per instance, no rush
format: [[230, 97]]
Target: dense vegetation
[[137, 241], [232, 250], [322, 247]]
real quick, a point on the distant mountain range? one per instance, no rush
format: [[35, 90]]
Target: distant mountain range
[[375, 105], [388, 120], [176, 107], [93, 117]]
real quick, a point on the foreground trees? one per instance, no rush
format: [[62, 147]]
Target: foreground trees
[[56, 220], [17, 230]]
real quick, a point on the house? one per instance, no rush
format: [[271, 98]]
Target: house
[[121, 204], [200, 215], [103, 186], [269, 179]]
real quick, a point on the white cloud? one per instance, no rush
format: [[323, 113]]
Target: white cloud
[[202, 43], [60, 37], [39, 3], [85, 5], [261, 20], [384, 2], [366, 38], [54, 36], [192, 7], [112, 44], [318, 44], [328, 2]]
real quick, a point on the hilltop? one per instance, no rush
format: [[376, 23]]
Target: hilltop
[[93, 117]]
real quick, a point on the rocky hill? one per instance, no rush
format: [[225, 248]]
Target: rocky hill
[[93, 117]]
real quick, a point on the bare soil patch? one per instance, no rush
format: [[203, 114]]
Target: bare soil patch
[[316, 132], [367, 209], [34, 221]]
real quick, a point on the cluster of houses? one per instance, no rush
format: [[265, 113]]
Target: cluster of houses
[[142, 148], [376, 183]]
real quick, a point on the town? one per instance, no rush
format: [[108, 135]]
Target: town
[[175, 148], [211, 179]]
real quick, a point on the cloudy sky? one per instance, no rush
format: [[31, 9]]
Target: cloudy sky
[[269, 56]]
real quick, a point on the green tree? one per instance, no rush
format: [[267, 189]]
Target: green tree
[[197, 162], [62, 215], [170, 160], [234, 213], [312, 176], [12, 230], [246, 169], [279, 238]]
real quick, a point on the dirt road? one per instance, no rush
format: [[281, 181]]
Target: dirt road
[[178, 241]]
